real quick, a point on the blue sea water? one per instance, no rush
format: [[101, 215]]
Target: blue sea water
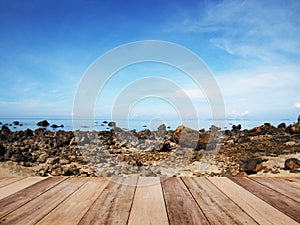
[[98, 125]]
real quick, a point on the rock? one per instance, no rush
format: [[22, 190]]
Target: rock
[[52, 160], [293, 129], [64, 161], [5, 130], [204, 138], [143, 134], [43, 123], [197, 155], [253, 165], [43, 158], [161, 130], [261, 130], [16, 123], [111, 124], [54, 126], [165, 146], [282, 126], [18, 157], [28, 133], [186, 137], [104, 122], [2, 151], [236, 128], [56, 172], [291, 164]]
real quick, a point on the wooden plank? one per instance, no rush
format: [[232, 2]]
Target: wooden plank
[[39, 207], [290, 181], [19, 185], [74, 207], [148, 204], [114, 203], [181, 207], [20, 198], [258, 209], [217, 207], [279, 186], [281, 202], [9, 180]]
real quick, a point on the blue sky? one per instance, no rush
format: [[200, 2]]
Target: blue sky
[[251, 47]]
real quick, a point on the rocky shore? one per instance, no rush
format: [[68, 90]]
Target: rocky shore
[[265, 150]]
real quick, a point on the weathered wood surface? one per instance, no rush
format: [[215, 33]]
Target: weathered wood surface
[[258, 209], [114, 203], [181, 206], [285, 204], [217, 207], [148, 204], [149, 200], [280, 186]]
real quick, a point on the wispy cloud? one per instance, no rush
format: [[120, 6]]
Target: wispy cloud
[[238, 114], [261, 29]]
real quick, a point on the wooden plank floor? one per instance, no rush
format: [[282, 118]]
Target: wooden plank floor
[[149, 200]]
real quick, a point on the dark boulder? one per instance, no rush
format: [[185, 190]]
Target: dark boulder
[[291, 164], [28, 133], [16, 123], [43, 123], [236, 127], [282, 126], [111, 124], [5, 130], [252, 165], [54, 126], [2, 151], [293, 129]]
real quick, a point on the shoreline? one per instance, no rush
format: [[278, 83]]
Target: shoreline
[[260, 151]]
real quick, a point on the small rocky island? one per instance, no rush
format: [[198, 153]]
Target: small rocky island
[[265, 150]]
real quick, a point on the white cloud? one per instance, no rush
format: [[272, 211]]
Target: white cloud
[[238, 114], [297, 105]]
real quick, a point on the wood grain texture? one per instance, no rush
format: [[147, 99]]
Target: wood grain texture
[[20, 198], [148, 204], [258, 209], [281, 202], [38, 208], [181, 207], [290, 181], [18, 185], [279, 186], [74, 207], [114, 203], [8, 180], [141, 200], [217, 207]]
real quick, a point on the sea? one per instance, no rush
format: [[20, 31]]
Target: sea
[[100, 124]]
